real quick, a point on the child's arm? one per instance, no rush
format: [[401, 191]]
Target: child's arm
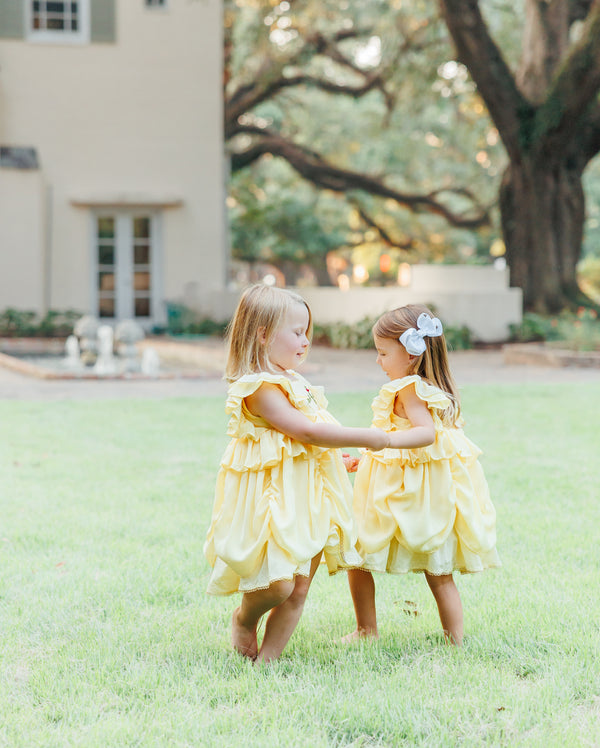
[[422, 432], [270, 403]]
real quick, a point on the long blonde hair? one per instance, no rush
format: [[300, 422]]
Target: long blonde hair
[[260, 309], [432, 365]]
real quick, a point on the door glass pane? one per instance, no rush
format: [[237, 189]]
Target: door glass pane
[[141, 228], [141, 254], [106, 228], [141, 281], [106, 281], [142, 307], [106, 307], [106, 255]]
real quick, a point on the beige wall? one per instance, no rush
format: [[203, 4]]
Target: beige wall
[[137, 122], [22, 232]]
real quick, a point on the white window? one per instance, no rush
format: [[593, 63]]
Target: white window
[[58, 21], [125, 247]]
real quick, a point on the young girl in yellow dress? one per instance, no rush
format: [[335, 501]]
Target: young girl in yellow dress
[[283, 498], [421, 504]]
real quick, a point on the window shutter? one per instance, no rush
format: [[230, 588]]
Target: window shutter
[[12, 19], [102, 20]]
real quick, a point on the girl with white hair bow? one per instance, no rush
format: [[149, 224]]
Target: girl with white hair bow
[[422, 504]]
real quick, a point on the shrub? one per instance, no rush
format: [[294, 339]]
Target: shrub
[[458, 338], [344, 335], [359, 336], [534, 327], [579, 331], [182, 320], [16, 323]]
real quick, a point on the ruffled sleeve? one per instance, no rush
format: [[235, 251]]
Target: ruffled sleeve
[[255, 444], [240, 424], [383, 404]]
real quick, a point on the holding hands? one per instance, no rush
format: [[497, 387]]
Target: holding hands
[[350, 463]]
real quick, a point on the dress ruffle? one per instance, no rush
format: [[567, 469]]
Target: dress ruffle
[[302, 395], [278, 503], [427, 508]]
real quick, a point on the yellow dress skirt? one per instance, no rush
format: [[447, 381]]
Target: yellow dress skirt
[[278, 503], [427, 508]]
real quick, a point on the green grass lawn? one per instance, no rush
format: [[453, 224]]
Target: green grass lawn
[[108, 637]]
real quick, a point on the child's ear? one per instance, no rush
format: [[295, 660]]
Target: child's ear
[[261, 335]]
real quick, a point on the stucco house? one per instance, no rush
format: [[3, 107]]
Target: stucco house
[[111, 156]]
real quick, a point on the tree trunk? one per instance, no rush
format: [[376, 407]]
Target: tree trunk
[[542, 210], [319, 264]]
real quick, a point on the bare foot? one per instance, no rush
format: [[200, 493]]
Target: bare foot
[[243, 639], [359, 635]]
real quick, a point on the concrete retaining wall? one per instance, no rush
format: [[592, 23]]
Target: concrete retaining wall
[[476, 296]]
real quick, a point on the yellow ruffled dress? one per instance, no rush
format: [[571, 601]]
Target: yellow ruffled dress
[[426, 508], [278, 502]]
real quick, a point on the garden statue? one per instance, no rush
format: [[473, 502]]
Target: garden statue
[[72, 359], [86, 329], [150, 362], [127, 334], [105, 363]]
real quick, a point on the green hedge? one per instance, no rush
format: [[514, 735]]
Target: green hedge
[[15, 323]]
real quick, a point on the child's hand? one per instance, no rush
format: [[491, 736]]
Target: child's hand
[[350, 463], [380, 440]]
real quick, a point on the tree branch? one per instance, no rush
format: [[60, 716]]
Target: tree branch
[[573, 89], [321, 173], [271, 79], [578, 10], [493, 78], [386, 238]]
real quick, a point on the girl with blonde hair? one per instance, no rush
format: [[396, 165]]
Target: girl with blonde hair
[[422, 504], [283, 497]]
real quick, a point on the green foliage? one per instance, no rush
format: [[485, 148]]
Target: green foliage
[[181, 320], [431, 133], [577, 331], [342, 335], [15, 323], [458, 338], [533, 327], [359, 335], [277, 218]]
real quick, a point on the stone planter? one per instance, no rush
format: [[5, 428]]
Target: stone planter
[[541, 354]]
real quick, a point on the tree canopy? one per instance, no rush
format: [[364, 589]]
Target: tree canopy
[[366, 101]]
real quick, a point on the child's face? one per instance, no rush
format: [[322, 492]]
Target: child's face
[[289, 344], [392, 357]]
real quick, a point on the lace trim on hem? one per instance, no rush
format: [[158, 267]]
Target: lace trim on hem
[[398, 572], [262, 587]]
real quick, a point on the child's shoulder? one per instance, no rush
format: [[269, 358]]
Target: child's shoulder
[[429, 393], [250, 383], [293, 384]]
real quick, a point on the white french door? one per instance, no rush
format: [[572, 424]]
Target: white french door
[[126, 265]]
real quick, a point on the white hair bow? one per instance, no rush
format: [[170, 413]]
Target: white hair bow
[[412, 339]]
